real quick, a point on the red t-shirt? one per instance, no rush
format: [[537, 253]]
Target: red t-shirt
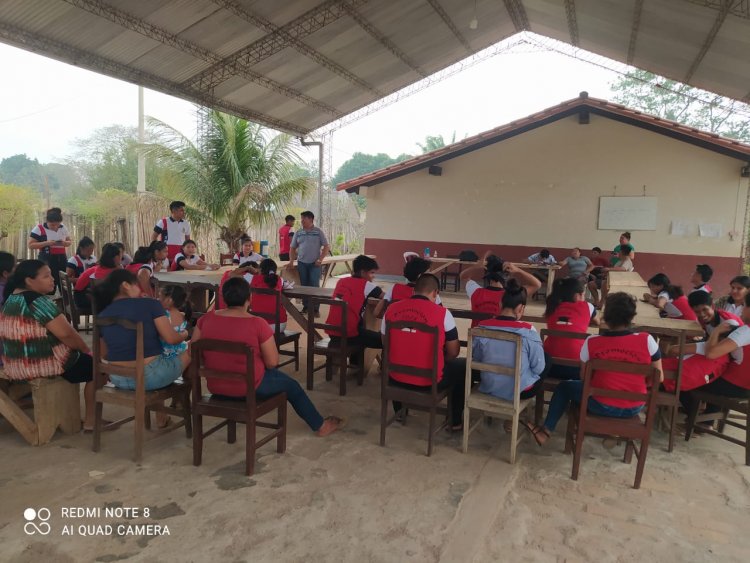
[[600, 261], [94, 272], [252, 331], [486, 300], [285, 240], [266, 303], [568, 317]]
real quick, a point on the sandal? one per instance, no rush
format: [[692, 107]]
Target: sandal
[[165, 423], [337, 423], [536, 431]]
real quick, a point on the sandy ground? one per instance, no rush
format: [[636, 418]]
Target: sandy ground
[[344, 498]]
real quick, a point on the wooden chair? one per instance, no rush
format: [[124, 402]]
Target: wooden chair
[[670, 400], [726, 404], [140, 400], [246, 411], [336, 354], [581, 422], [226, 259], [427, 399], [200, 295], [471, 315], [70, 310], [549, 384], [451, 274], [281, 337], [488, 405]]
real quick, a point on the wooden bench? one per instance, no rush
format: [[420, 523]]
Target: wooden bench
[[57, 404]]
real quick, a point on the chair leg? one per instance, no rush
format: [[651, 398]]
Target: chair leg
[[514, 438], [250, 448], [281, 422], [747, 434], [197, 439], [691, 419], [723, 420], [577, 452], [232, 431], [342, 375], [569, 433], [672, 427], [431, 429], [310, 367], [539, 405], [383, 419], [97, 426], [296, 354], [641, 463], [147, 419], [187, 417], [467, 422], [629, 447], [140, 423], [361, 370]]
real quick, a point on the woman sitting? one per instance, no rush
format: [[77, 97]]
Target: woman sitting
[[235, 324], [119, 297], [619, 344], [38, 341], [567, 311], [189, 259], [268, 279], [735, 301], [110, 261], [246, 255], [414, 267], [146, 261]]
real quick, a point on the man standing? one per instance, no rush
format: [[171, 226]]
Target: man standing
[[309, 247], [174, 230], [285, 237], [52, 240]]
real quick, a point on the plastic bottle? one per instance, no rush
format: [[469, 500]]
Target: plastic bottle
[[426, 252], [434, 254]]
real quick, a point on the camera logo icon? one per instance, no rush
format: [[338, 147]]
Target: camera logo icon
[[36, 521]]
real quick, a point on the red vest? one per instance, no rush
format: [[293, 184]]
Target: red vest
[[697, 370], [486, 300], [95, 272], [351, 290], [631, 348], [739, 374], [569, 317], [135, 268], [401, 291], [266, 303], [726, 316], [219, 295], [416, 349], [682, 305]]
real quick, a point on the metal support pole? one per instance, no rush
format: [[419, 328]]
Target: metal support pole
[[319, 144]]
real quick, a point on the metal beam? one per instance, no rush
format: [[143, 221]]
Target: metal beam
[[128, 21], [713, 32], [739, 8], [636, 24], [296, 43], [33, 41], [517, 14], [306, 24], [449, 22], [381, 38], [570, 15]]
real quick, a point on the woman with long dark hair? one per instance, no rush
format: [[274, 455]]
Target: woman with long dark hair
[[38, 340]]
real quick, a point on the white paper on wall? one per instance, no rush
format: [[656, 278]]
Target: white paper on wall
[[680, 228], [710, 230]]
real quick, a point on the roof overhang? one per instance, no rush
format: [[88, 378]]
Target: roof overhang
[[297, 65]]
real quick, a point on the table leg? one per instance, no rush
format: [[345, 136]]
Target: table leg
[[550, 281], [439, 268], [19, 419], [297, 315]]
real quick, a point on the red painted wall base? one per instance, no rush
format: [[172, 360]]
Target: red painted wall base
[[678, 267]]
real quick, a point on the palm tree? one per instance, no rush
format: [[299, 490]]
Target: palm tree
[[434, 142], [242, 174]]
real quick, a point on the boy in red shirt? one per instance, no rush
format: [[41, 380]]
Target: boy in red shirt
[[285, 237]]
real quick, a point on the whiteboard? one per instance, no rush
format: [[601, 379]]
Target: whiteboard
[[627, 213]]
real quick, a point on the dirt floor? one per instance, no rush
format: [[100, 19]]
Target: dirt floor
[[344, 498]]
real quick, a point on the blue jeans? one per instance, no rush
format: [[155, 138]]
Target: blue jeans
[[572, 390], [275, 381], [157, 374], [309, 276]]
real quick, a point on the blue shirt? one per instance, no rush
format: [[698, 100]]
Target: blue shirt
[[308, 244], [121, 341]]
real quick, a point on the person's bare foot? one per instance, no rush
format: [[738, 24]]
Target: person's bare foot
[[162, 420], [540, 433], [330, 425]]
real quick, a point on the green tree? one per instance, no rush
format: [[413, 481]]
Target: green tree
[[242, 175], [17, 208], [682, 103], [362, 163], [434, 142]]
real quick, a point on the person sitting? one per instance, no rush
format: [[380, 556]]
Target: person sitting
[[568, 311], [189, 259], [246, 253], [111, 260], [542, 258], [579, 266], [7, 265], [119, 297], [235, 324], [624, 264], [495, 273], [619, 344], [268, 278], [500, 352], [356, 290], [173, 299], [125, 259], [416, 349], [734, 302], [82, 260], [709, 317], [598, 274], [657, 291], [668, 298], [700, 278], [413, 268], [37, 339], [148, 260]]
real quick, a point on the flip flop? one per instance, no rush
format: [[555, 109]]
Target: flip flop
[[105, 423], [339, 424], [535, 431]]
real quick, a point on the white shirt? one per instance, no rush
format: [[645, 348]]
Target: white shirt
[[734, 309], [87, 262], [741, 337], [625, 264], [537, 259], [238, 259], [60, 234], [177, 231], [389, 296], [449, 323], [192, 260]]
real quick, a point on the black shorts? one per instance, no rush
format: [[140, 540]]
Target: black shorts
[[82, 371]]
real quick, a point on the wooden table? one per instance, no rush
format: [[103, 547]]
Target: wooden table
[[549, 268], [626, 278], [440, 264], [328, 264]]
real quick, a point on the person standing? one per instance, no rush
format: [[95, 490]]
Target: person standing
[[51, 239], [174, 230], [285, 237], [309, 247]]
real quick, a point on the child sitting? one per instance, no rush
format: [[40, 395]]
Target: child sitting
[[700, 278], [734, 302], [82, 260], [246, 253], [177, 309], [414, 267], [189, 259], [268, 279]]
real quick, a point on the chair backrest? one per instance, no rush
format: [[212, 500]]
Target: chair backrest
[[547, 332], [430, 374], [101, 368], [666, 335], [191, 286], [642, 371], [313, 325], [471, 315], [66, 292], [513, 371], [270, 317], [198, 369], [226, 259]]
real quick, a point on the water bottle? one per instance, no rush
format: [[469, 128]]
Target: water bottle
[[426, 252], [434, 254]]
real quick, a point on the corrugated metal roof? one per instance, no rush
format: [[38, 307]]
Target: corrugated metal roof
[[297, 65], [710, 141]]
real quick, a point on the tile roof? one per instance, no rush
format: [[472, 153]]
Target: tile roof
[[710, 141]]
